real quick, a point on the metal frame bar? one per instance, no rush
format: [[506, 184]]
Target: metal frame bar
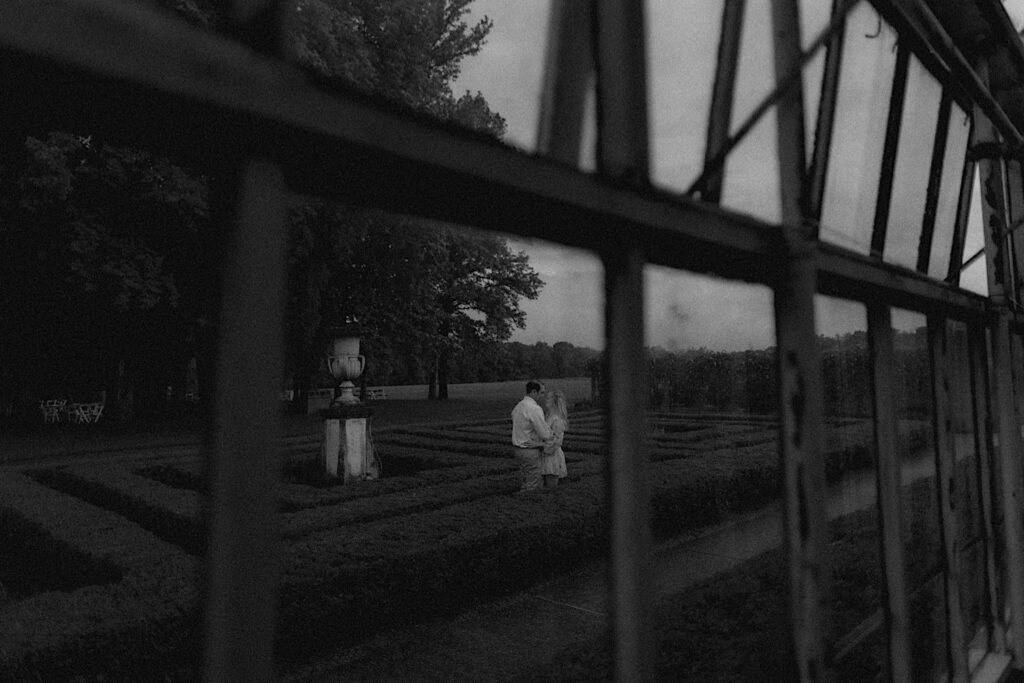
[[805, 519], [934, 182], [818, 172], [977, 347], [889, 483], [622, 157], [963, 216], [1015, 205], [891, 144], [568, 73], [944, 457], [622, 153], [241, 569], [720, 114]]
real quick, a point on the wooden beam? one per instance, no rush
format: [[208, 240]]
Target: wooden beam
[[889, 482]]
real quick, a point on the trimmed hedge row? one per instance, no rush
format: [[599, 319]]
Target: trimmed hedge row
[[367, 509], [442, 560], [295, 497], [392, 564], [170, 513], [728, 628], [136, 626]]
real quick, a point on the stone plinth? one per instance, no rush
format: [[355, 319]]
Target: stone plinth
[[346, 449]]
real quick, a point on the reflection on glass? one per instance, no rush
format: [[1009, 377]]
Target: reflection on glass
[[919, 501], [913, 159], [949, 192], [974, 272], [858, 630], [683, 45], [865, 84], [721, 603]]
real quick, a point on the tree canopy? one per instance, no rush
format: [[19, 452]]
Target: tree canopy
[[111, 254]]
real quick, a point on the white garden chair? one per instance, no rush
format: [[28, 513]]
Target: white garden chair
[[53, 410]]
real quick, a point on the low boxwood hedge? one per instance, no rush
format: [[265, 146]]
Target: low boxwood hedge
[[418, 546], [136, 625]]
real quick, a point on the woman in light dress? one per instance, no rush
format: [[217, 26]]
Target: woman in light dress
[[552, 459]]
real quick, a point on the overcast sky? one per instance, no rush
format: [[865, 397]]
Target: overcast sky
[[683, 310]]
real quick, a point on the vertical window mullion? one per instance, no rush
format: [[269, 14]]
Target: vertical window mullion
[[622, 156], [627, 467], [993, 203], [801, 440], [883, 372], [1008, 460], [826, 120], [892, 139], [934, 183], [622, 92], [963, 215], [568, 70], [241, 570], [941, 386], [720, 115], [1015, 206], [984, 446], [240, 566]]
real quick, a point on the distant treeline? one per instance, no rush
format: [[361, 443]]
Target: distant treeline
[[703, 379], [497, 362]]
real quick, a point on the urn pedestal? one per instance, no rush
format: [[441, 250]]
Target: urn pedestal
[[346, 449]]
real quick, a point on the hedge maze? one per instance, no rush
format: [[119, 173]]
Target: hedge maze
[[100, 569]]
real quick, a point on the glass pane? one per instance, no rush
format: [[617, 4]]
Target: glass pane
[[974, 272], [919, 500], [913, 165], [858, 635], [683, 48], [720, 565], [949, 192], [865, 85], [426, 538], [751, 182]]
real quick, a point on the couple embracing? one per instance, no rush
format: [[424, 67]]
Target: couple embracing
[[539, 422]]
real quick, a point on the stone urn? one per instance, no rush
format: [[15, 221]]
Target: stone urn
[[344, 361]]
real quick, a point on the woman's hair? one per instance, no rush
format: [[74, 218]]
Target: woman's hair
[[554, 404]]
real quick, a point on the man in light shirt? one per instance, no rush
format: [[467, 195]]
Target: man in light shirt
[[529, 432]]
